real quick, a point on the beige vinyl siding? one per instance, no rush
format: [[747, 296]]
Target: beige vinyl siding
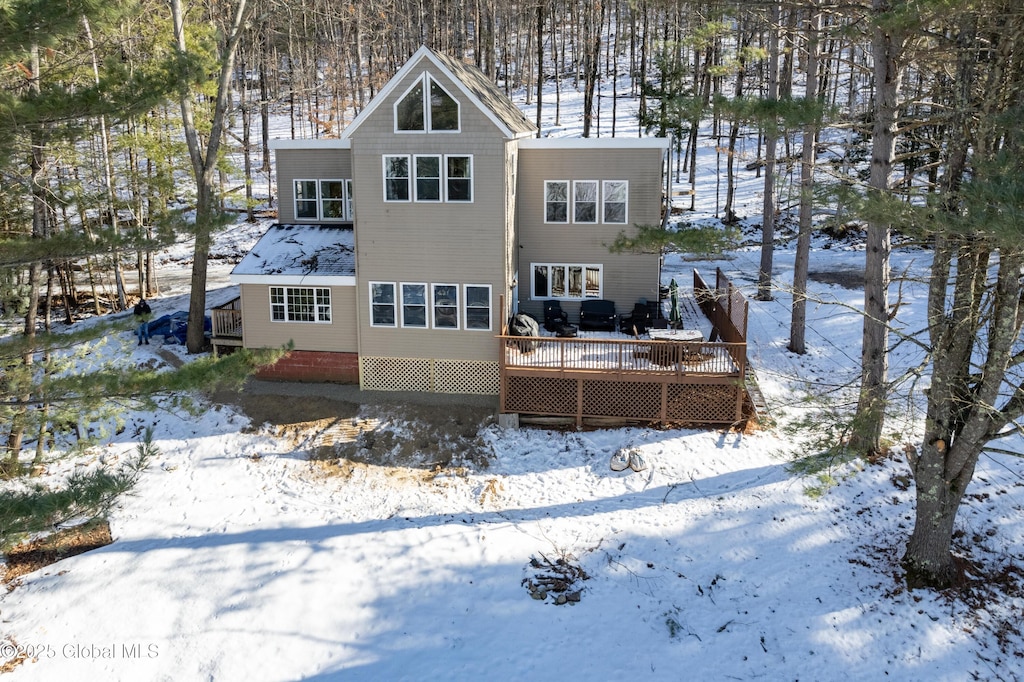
[[307, 164], [434, 243], [259, 331], [627, 277]]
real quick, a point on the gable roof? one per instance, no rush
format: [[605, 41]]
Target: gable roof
[[300, 254], [473, 85]]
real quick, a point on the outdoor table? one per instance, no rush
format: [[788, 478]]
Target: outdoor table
[[676, 334], [670, 354]]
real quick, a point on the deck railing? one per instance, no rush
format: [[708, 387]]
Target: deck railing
[[624, 356], [226, 320]]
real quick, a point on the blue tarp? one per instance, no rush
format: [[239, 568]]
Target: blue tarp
[[174, 327]]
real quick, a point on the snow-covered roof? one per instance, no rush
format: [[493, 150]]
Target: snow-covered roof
[[300, 254]]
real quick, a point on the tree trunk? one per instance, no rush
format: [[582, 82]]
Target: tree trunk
[[870, 418], [928, 560], [204, 163], [798, 320], [764, 275]]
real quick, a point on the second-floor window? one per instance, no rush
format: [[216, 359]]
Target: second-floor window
[[325, 200], [396, 177], [428, 177], [556, 201], [586, 201], [615, 194]]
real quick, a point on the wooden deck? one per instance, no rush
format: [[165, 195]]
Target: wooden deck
[[226, 326], [666, 382]]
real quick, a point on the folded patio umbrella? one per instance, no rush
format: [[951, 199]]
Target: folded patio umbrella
[[674, 316]]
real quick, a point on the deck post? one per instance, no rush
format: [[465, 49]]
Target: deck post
[[579, 403]]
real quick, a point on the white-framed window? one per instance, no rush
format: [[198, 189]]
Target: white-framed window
[[616, 201], [567, 281], [327, 200], [414, 305], [300, 304], [458, 177], [556, 201], [584, 201], [438, 112], [306, 200], [336, 200], [445, 305], [428, 178], [433, 178], [382, 304], [396, 177], [477, 299]]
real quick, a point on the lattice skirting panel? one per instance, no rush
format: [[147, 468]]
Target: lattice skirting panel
[[704, 403], [432, 376], [632, 400], [626, 399], [541, 395], [477, 378]]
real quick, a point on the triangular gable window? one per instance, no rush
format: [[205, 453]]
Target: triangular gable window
[[437, 113]]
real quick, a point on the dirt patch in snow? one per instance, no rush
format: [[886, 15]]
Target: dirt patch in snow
[[343, 435], [848, 279], [52, 548]]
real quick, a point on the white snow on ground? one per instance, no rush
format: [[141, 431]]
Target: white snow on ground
[[238, 559]]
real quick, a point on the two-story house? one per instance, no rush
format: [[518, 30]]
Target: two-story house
[[403, 246]]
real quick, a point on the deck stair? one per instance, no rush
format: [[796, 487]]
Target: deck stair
[[755, 408]]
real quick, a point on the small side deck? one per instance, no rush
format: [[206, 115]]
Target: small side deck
[[226, 326]]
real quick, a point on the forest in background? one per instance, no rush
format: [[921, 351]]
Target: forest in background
[[112, 155], [127, 127]]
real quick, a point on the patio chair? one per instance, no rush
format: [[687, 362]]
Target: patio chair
[[598, 315], [638, 321], [554, 315], [557, 320]]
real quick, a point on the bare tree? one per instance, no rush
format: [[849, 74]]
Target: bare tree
[[798, 320], [204, 158], [886, 47]]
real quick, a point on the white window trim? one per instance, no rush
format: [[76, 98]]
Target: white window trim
[[384, 177], [466, 307], [472, 183], [441, 182], [346, 200], [604, 201], [597, 202], [394, 291], [426, 80], [426, 304], [315, 199], [568, 202], [427, 111], [585, 266], [433, 307], [316, 305]]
